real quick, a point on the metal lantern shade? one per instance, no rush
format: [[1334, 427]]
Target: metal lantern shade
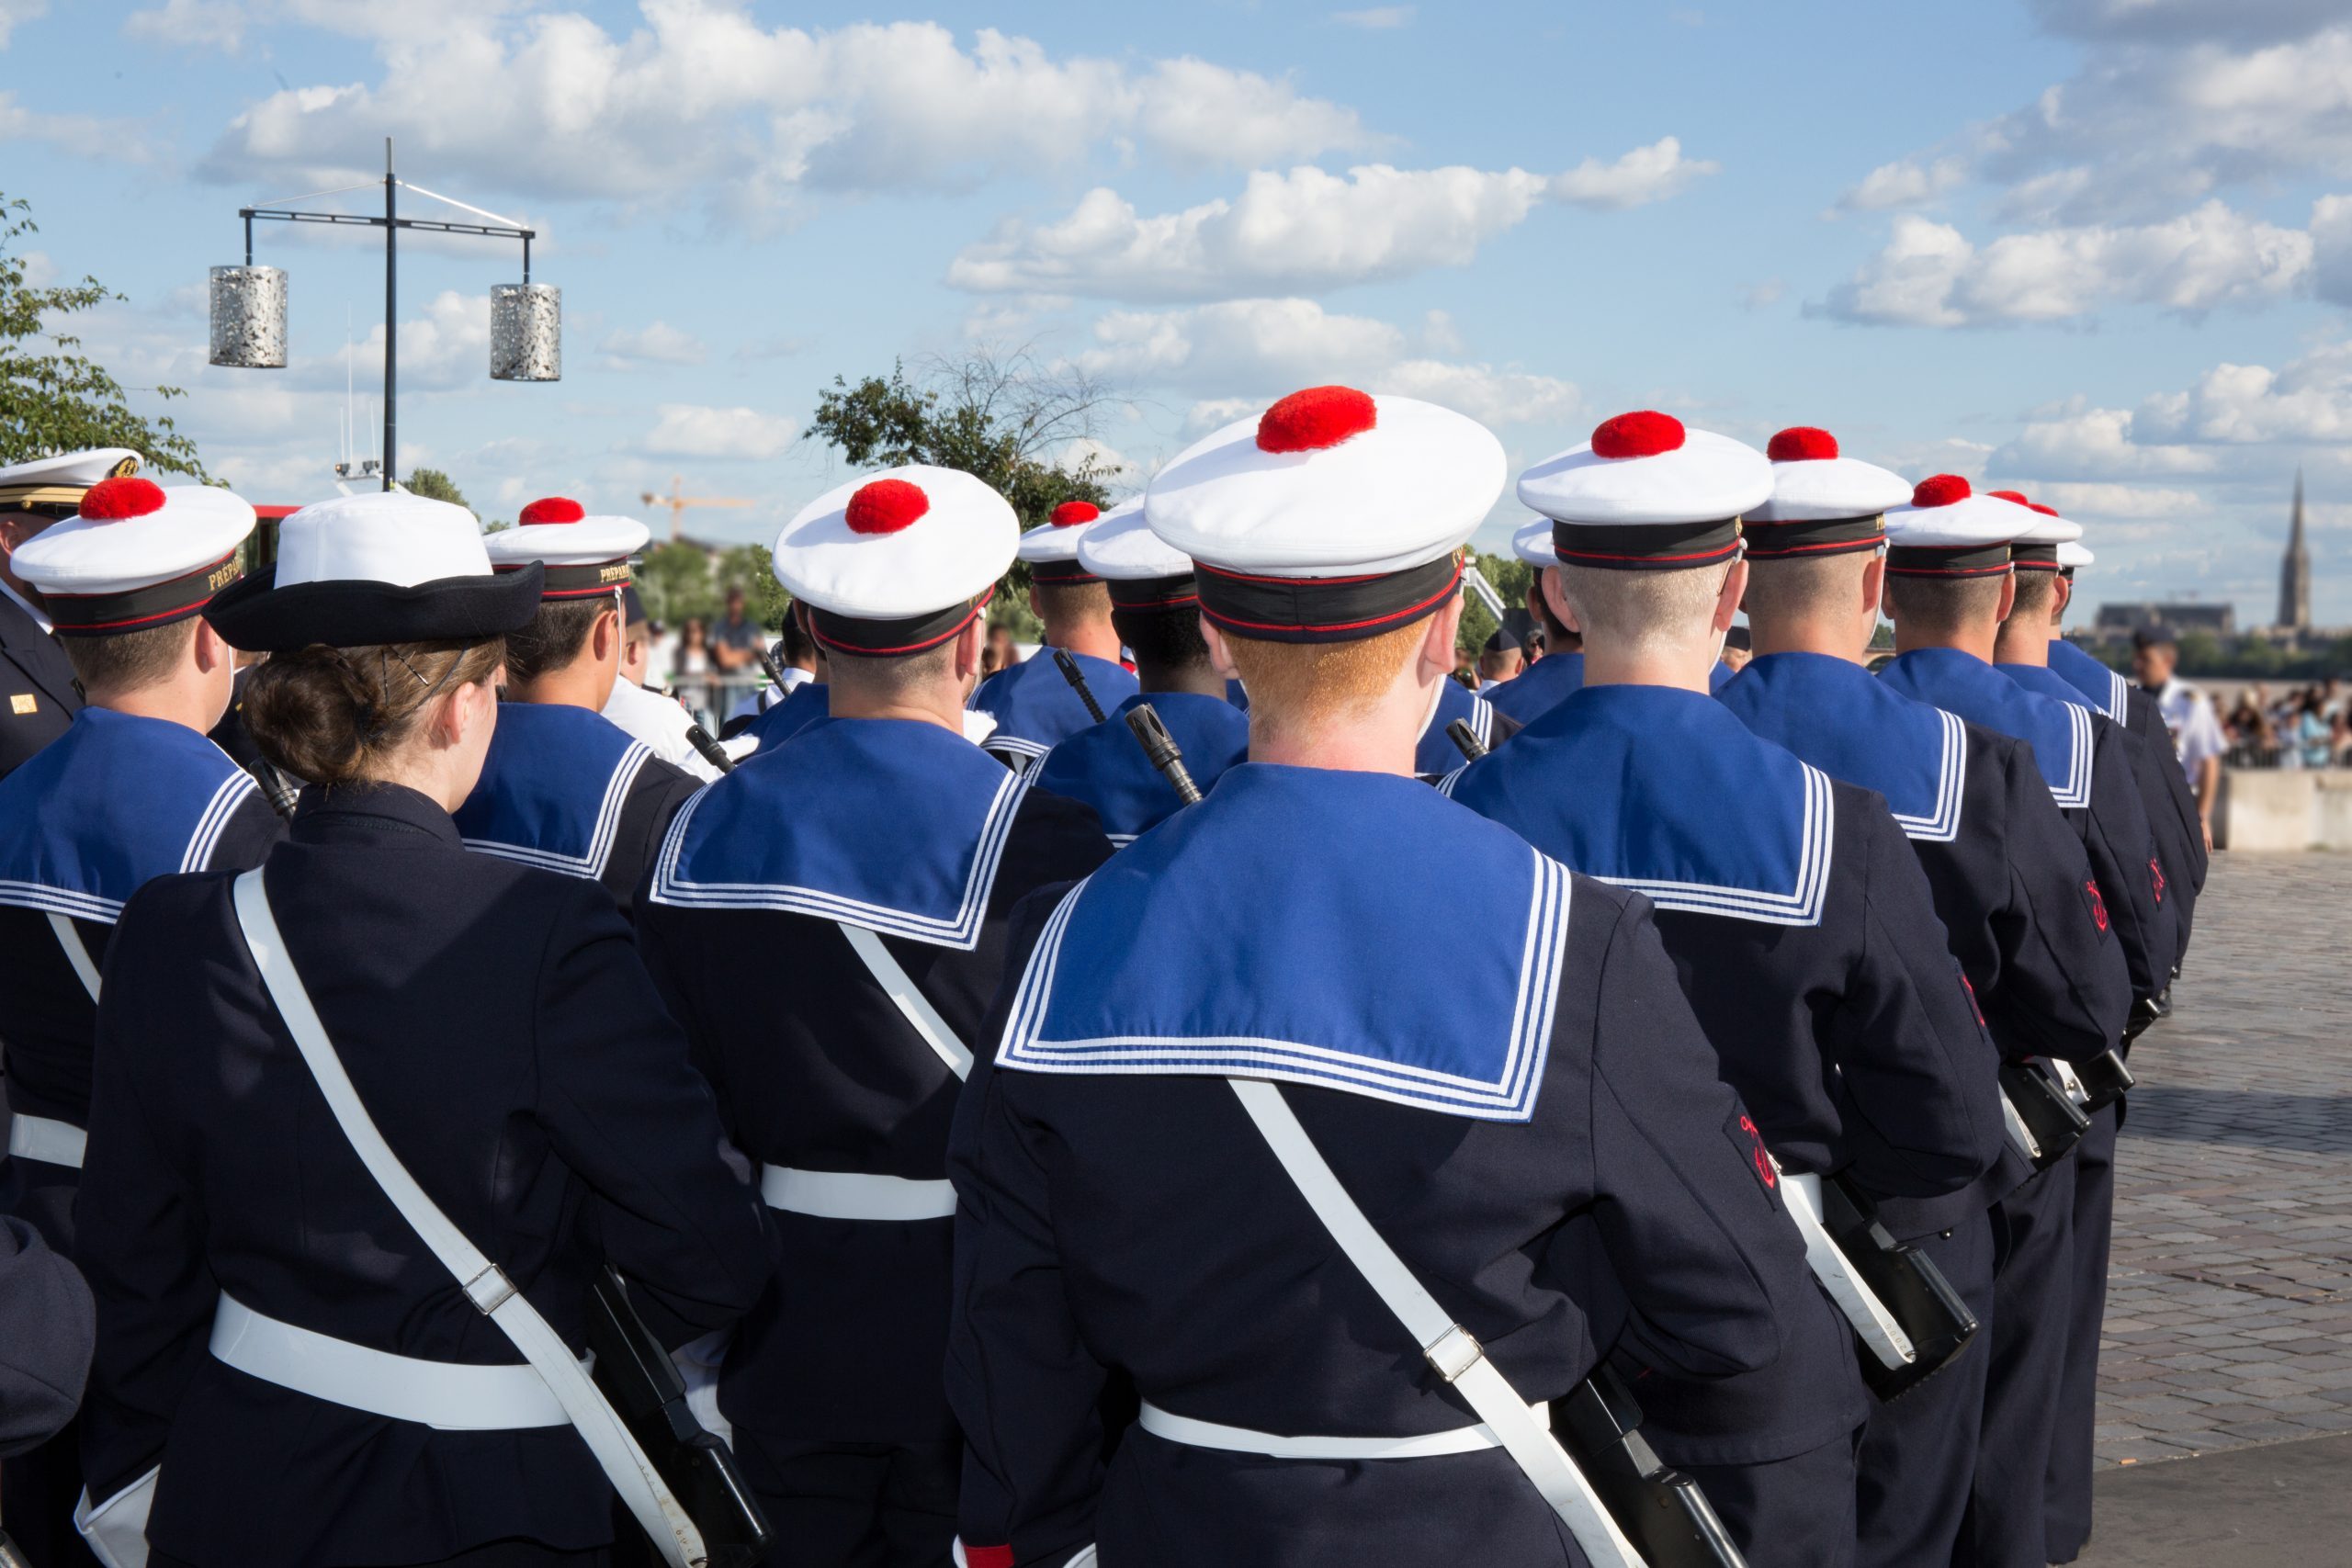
[[249, 316], [527, 331]]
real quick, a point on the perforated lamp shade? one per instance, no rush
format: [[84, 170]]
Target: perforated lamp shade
[[526, 332], [249, 316]]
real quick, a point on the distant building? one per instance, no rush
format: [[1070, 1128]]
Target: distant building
[[2295, 571], [2119, 621]]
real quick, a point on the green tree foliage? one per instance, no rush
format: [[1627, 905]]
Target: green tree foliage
[[53, 398], [680, 581], [434, 485], [1509, 575]]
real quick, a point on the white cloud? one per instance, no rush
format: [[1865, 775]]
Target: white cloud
[[192, 24], [1300, 231], [1762, 295], [85, 136], [2309, 401], [1378, 16], [2096, 502], [2331, 248], [690, 430], [1238, 355], [13, 12], [700, 95], [1904, 183], [2093, 444], [658, 342], [2170, 20], [1930, 275]]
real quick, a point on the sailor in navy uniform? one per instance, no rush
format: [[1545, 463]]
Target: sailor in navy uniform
[[563, 787], [1535, 1126], [133, 790], [1950, 584], [1435, 752], [875, 856], [2046, 572], [1156, 608], [1800, 924], [35, 678], [804, 704], [2022, 653], [2007, 874], [287, 1372], [1542, 684], [1032, 704]]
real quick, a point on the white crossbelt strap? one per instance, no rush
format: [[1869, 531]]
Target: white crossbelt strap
[[1872, 1323], [1457, 1357], [116, 1529], [853, 1195], [911, 1001], [76, 953], [1275, 1444], [616, 1451], [46, 1139], [449, 1396], [2021, 1137]]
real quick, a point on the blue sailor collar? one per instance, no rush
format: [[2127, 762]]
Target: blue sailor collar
[[890, 824], [1036, 707], [2048, 682], [802, 705], [1248, 886], [552, 786], [1834, 714], [114, 802], [1436, 752], [1105, 767], [2109, 691], [1960, 683], [1539, 688], [1664, 791]]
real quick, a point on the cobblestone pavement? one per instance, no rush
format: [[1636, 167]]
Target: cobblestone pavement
[[2229, 1308]]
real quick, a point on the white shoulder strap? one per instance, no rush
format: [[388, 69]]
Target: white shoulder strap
[[1458, 1358], [901, 990], [632, 1474], [1873, 1324], [76, 953]]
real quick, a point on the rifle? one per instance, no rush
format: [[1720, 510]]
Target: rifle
[[773, 667], [281, 797], [1660, 1509], [1076, 678], [1466, 740], [9, 1556], [637, 1374], [1160, 748], [2104, 1079], [2052, 1120], [1906, 1282], [712, 751]]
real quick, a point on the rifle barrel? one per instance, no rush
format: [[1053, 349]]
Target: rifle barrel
[[1159, 747], [1076, 678], [712, 751], [1465, 739]]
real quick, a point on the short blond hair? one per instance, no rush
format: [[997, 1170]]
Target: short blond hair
[[1629, 610], [1316, 682]]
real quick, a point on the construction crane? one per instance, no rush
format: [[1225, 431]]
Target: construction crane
[[677, 501]]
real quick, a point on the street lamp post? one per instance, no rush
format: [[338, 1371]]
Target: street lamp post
[[249, 303]]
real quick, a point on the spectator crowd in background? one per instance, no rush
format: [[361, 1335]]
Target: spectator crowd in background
[[2307, 726]]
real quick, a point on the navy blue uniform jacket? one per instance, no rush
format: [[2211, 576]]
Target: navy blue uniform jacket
[[506, 1042], [39, 695], [909, 829], [1805, 936], [1036, 709], [1120, 1213]]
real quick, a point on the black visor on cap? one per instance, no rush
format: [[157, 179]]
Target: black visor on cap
[[1646, 546], [2033, 557], [1181, 592], [579, 581], [1060, 571], [1938, 560], [884, 639], [137, 609], [258, 616], [1326, 609], [1814, 536]]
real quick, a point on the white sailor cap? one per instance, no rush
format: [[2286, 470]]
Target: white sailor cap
[[1332, 516], [1647, 495], [584, 556], [898, 562], [377, 567], [2072, 555], [2036, 549], [53, 486], [1532, 542], [135, 555], [1051, 548], [1822, 503], [1143, 570], [1946, 529]]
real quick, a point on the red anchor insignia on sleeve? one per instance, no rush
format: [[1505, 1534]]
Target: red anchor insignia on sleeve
[[1764, 1172], [2157, 870], [2099, 902]]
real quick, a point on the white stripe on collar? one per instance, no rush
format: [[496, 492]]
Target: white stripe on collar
[[1943, 825], [2119, 697], [963, 931], [590, 866], [2076, 791], [1801, 905], [197, 856]]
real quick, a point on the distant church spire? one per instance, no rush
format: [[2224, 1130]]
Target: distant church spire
[[2295, 571]]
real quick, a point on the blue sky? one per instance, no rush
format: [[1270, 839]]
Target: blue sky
[[2100, 249]]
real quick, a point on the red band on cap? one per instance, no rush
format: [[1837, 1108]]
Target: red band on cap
[[110, 501], [1940, 490], [1316, 418], [551, 509], [1644, 433], [1802, 444], [885, 506]]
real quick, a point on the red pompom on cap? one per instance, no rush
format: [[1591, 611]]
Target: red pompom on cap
[[2045, 511], [1802, 444], [1070, 514], [110, 501], [1940, 490], [885, 506], [2014, 496], [1315, 419], [551, 509], [1643, 433]]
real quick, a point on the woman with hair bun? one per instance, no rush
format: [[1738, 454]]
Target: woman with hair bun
[[296, 1365]]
